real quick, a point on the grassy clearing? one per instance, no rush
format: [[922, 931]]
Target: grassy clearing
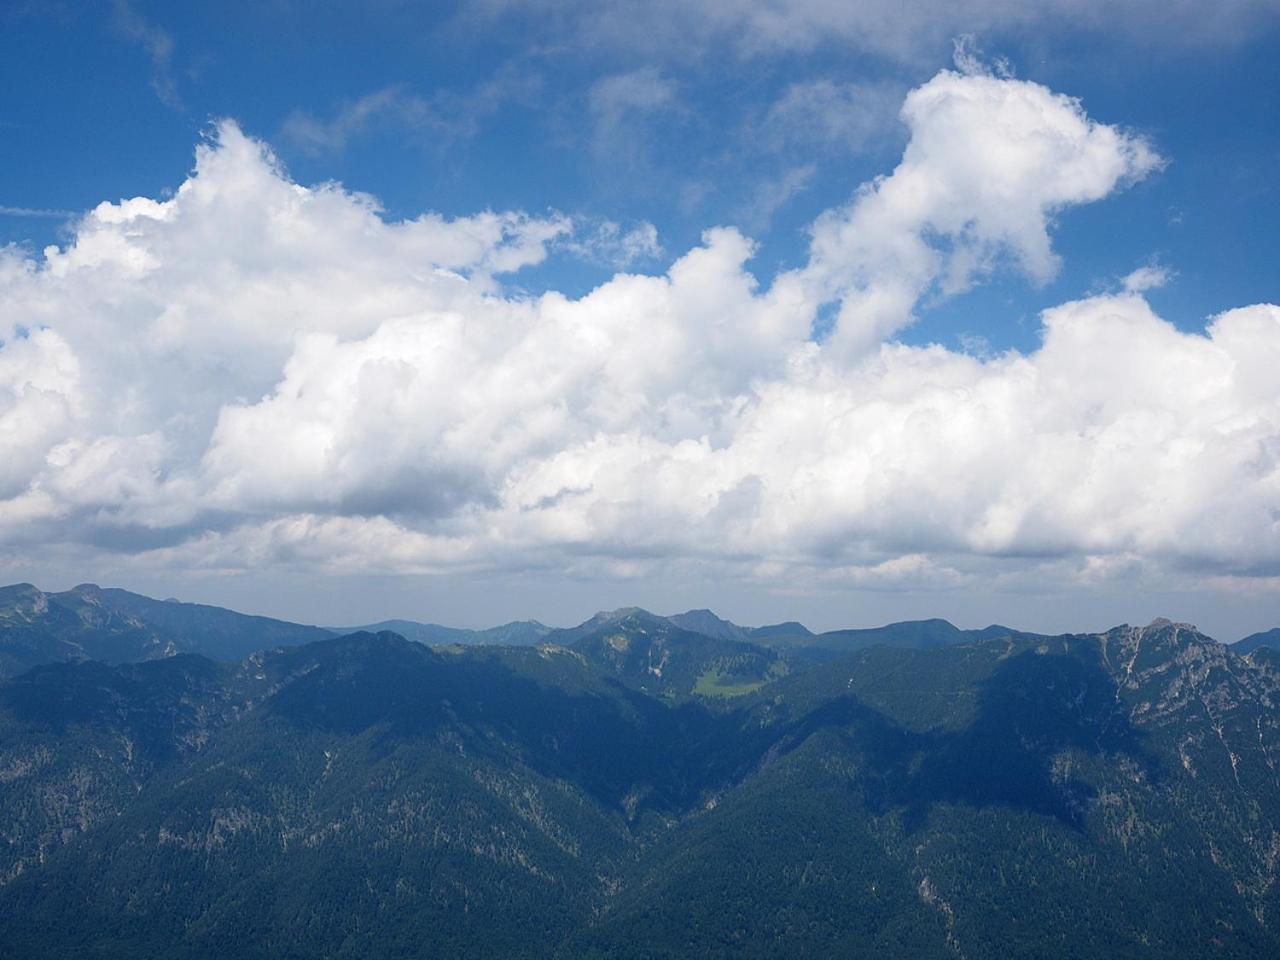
[[713, 683]]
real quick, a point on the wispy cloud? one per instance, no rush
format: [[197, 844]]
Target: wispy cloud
[[53, 214], [909, 31], [158, 45], [773, 194], [610, 244], [826, 115], [617, 105], [447, 115], [352, 118]]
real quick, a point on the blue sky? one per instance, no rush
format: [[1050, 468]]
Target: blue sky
[[648, 123]]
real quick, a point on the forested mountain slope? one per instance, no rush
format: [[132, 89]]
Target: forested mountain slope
[[1082, 796]]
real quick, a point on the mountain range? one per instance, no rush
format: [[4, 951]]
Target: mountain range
[[638, 786], [117, 626]]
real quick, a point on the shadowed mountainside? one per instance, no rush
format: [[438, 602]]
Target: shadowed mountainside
[[1082, 796]]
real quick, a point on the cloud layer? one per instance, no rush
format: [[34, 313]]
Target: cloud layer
[[257, 373]]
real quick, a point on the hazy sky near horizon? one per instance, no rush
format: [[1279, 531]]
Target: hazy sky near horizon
[[467, 312]]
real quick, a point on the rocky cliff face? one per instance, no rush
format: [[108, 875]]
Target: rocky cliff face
[[1216, 712]]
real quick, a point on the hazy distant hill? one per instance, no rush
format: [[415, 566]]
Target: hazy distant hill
[[794, 636], [789, 628], [907, 634], [653, 654], [1267, 638], [516, 633], [1108, 795], [708, 624]]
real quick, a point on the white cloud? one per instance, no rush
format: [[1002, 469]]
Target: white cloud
[[610, 244], [989, 162], [254, 373], [1150, 277], [39, 394]]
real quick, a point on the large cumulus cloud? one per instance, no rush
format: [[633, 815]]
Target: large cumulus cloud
[[254, 372]]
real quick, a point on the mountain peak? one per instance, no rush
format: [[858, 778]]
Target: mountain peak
[[1162, 623], [89, 593], [787, 628], [19, 591], [604, 616], [709, 624], [22, 600]]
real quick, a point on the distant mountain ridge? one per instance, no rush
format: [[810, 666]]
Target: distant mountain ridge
[[656, 655], [117, 626], [1266, 638], [516, 633], [908, 634], [708, 624]]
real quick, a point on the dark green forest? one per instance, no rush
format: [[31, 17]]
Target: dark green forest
[[637, 787]]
